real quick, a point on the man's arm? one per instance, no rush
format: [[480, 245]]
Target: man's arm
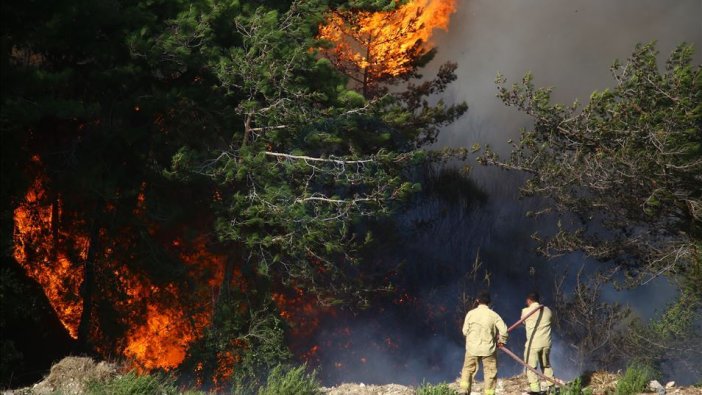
[[466, 325], [501, 330]]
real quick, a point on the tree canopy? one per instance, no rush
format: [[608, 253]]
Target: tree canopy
[[179, 170], [627, 168]]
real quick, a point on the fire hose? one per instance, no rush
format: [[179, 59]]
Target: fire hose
[[519, 360]]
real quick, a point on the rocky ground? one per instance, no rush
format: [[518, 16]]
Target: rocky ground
[[599, 382], [71, 375]]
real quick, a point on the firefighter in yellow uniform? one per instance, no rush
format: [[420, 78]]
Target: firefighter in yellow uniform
[[537, 349], [484, 330]]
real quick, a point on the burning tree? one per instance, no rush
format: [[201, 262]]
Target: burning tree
[[184, 176], [372, 47], [90, 216]]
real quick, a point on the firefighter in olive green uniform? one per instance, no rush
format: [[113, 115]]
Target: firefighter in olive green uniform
[[484, 330], [538, 340]]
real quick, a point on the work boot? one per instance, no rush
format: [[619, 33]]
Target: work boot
[[534, 388], [553, 390]]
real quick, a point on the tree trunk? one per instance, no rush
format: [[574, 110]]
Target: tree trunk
[[87, 289]]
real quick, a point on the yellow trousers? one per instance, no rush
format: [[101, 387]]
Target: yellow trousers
[[470, 368], [534, 357]]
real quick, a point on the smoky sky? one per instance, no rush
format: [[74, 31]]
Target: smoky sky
[[568, 45]]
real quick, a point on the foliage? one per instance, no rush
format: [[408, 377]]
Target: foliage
[[575, 388], [291, 381], [134, 384], [630, 160], [627, 167], [635, 379], [206, 157], [252, 338], [310, 159], [435, 389]]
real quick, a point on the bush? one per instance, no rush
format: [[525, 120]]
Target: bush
[[575, 388], [134, 384], [635, 379], [435, 389], [295, 381]]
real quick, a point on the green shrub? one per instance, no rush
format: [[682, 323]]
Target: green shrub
[[135, 384], [435, 389], [295, 381], [575, 388], [635, 379]]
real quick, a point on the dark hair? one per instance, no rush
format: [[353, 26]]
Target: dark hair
[[533, 296], [484, 298]]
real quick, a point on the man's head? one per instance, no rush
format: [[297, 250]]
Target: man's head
[[483, 298], [532, 297]]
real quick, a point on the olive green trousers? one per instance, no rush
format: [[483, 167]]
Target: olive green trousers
[[535, 357], [470, 368]]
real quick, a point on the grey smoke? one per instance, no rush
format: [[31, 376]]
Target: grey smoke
[[567, 44]]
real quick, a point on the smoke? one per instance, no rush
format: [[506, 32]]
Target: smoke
[[569, 45], [566, 44]]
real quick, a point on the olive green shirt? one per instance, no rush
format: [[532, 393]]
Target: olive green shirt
[[481, 329], [538, 327]]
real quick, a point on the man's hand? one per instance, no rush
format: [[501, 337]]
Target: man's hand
[[500, 345]]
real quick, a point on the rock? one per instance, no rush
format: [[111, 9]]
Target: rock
[[654, 385], [670, 384]]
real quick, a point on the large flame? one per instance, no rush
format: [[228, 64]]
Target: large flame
[[48, 253], [162, 320], [386, 43], [171, 325]]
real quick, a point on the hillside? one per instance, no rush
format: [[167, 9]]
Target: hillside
[[80, 375]]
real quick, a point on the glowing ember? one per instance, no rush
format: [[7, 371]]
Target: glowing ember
[[226, 361], [301, 311], [370, 46]]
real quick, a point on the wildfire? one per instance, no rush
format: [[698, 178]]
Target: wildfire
[[48, 253], [370, 46], [304, 314], [160, 340], [162, 320], [301, 311]]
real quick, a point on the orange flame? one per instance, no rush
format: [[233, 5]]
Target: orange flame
[[171, 323], [48, 253], [163, 320], [383, 44]]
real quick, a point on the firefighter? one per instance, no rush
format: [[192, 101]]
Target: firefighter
[[484, 331], [537, 349]]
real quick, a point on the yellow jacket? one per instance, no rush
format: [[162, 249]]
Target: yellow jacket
[[481, 328], [538, 327]]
